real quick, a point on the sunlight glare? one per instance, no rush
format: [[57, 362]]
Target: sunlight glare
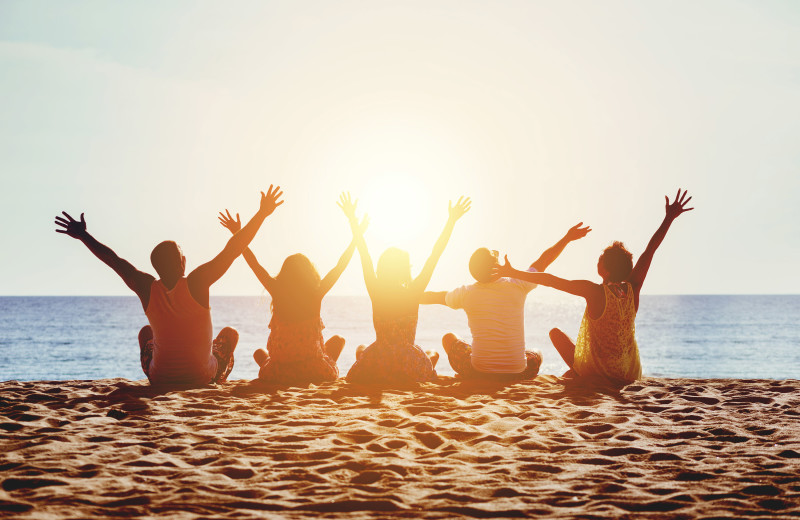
[[399, 209]]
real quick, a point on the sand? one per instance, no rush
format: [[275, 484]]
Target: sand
[[678, 448]]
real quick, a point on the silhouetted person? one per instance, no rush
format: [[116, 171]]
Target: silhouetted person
[[395, 296], [495, 310], [606, 344], [296, 352], [178, 346]]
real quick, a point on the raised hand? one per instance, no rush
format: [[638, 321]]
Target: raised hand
[[577, 232], [677, 206], [462, 206], [71, 227], [505, 269], [228, 223], [270, 201], [348, 205]]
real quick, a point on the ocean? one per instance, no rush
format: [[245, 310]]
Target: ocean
[[716, 336]]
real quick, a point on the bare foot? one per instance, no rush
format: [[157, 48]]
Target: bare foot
[[360, 351], [261, 357], [433, 356]]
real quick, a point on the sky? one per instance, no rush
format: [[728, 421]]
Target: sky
[[150, 117]]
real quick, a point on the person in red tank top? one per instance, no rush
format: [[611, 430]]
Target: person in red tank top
[[177, 346]]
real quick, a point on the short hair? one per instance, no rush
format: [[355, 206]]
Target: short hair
[[617, 261], [166, 259], [481, 263]]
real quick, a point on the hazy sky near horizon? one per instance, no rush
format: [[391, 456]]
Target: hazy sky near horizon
[[151, 117]]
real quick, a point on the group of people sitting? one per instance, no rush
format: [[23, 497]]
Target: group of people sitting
[[178, 346]]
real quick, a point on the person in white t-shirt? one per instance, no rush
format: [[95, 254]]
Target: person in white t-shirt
[[495, 308]]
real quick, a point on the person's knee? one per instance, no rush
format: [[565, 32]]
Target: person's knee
[[448, 340], [556, 333], [261, 357], [335, 341], [145, 335], [230, 336]]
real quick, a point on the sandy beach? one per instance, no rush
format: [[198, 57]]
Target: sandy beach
[[679, 448]]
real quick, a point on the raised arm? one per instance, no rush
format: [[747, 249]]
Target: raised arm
[[333, 275], [234, 226], [138, 281], [205, 275], [576, 232], [348, 206], [454, 213], [673, 211]]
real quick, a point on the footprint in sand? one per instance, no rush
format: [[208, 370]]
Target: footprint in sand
[[10, 426], [14, 507], [237, 473], [366, 477], [13, 484]]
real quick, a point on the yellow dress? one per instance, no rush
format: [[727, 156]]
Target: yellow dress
[[606, 346]]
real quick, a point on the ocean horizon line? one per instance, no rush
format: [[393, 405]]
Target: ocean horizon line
[[360, 294]]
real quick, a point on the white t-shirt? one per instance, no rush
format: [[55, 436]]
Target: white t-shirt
[[496, 317]]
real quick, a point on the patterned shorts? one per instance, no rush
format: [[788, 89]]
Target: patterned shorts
[[222, 348], [459, 354]]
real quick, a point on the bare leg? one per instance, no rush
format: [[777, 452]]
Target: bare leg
[[564, 346], [447, 341], [146, 348], [334, 346], [360, 351], [261, 357], [222, 348], [458, 354], [145, 335], [433, 356]]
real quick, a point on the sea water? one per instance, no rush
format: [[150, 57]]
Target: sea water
[[63, 338]]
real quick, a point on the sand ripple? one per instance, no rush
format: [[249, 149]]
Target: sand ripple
[[676, 448]]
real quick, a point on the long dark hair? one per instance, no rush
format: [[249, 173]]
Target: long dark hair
[[297, 296]]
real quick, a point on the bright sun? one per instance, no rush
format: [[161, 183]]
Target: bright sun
[[399, 209]]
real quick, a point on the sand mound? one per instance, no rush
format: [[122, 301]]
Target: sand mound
[[548, 447]]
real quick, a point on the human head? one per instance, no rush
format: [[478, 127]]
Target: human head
[[299, 274], [296, 295], [394, 268], [168, 260], [481, 264], [616, 263]]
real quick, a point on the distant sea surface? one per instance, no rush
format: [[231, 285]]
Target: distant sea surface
[[64, 338]]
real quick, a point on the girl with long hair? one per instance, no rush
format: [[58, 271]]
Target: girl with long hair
[[296, 352], [395, 296]]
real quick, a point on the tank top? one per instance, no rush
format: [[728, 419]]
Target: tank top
[[606, 346], [182, 336]]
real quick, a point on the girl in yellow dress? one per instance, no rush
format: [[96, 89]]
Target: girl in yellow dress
[[606, 344]]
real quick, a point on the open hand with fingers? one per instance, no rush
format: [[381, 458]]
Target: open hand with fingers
[[678, 206], [70, 226], [504, 269], [577, 232], [348, 205], [270, 201], [228, 223], [462, 206]]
